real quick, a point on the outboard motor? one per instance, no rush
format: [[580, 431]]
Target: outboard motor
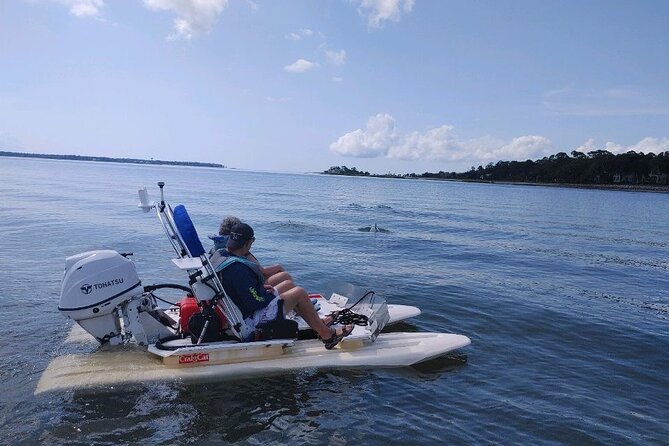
[[95, 285]]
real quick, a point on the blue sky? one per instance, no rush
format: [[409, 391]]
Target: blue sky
[[383, 85]]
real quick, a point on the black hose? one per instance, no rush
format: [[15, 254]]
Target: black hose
[[173, 304], [160, 346], [150, 288], [348, 317]]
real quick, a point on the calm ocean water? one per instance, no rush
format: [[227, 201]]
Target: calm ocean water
[[564, 293]]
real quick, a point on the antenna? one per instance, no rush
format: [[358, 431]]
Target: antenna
[[161, 184]]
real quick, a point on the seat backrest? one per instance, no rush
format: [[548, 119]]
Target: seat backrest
[[187, 231]]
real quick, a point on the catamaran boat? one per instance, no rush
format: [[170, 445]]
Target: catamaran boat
[[203, 337]]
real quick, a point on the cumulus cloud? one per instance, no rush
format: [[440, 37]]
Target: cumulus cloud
[[522, 147], [300, 66], [84, 8], [297, 35], [646, 145], [437, 143], [194, 17], [336, 57], [380, 138], [587, 146], [377, 138], [379, 11]]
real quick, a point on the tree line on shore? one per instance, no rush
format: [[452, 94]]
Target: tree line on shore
[[107, 159], [595, 167]]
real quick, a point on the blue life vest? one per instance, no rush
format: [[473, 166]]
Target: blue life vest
[[228, 259]]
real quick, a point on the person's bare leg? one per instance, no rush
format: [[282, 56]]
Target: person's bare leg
[[298, 299], [277, 278], [284, 287]]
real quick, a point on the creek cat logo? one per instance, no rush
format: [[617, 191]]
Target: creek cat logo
[[86, 288]]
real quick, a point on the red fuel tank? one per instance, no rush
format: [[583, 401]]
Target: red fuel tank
[[188, 306]]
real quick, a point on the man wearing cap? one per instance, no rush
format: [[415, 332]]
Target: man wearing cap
[[244, 282]]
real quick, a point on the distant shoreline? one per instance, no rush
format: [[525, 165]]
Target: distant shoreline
[[105, 159], [621, 187]]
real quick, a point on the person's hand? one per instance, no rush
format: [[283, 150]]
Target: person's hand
[[269, 288]]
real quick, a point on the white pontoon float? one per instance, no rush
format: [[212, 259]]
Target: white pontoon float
[[102, 292]]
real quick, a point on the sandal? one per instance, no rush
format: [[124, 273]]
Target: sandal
[[336, 338]]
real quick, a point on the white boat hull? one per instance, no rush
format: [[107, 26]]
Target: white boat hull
[[132, 364], [127, 364]]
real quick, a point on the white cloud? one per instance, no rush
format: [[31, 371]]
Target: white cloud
[[379, 11], [437, 143], [381, 139], [277, 99], [372, 142], [646, 145], [557, 92], [336, 57], [304, 32], [84, 8], [194, 17], [337, 79], [300, 66], [587, 146], [522, 147], [615, 147]]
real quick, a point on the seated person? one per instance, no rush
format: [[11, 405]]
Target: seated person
[[245, 284], [275, 275]]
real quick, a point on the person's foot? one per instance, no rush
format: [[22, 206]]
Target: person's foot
[[337, 335], [329, 319]]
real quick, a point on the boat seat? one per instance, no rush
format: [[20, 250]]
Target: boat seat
[[187, 231]]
